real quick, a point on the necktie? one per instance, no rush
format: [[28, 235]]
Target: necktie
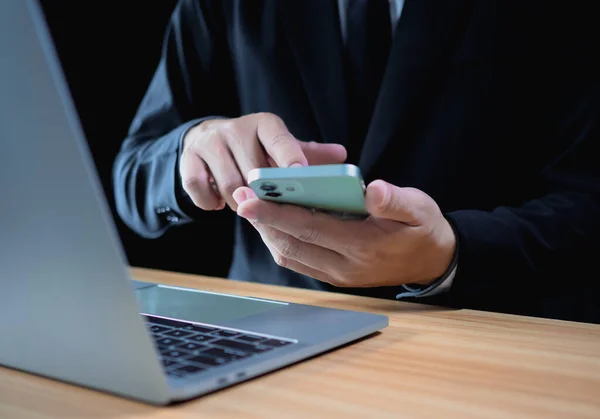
[[368, 40]]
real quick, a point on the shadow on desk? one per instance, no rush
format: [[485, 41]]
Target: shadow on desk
[[376, 305]]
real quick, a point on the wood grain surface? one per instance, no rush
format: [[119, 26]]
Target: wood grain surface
[[429, 363]]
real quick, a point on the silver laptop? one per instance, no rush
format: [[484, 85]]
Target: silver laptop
[[69, 309]]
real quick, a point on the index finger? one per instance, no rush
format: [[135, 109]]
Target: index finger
[[278, 142], [310, 227]]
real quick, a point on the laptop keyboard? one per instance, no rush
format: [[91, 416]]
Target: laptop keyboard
[[190, 348]]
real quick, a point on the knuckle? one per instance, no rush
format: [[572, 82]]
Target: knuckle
[[187, 156], [229, 186], [426, 208], [275, 122], [419, 200], [268, 117], [226, 129], [389, 202], [280, 139], [348, 274], [191, 184], [360, 246], [358, 252], [219, 149], [288, 249], [309, 234], [193, 187], [310, 145], [371, 256], [234, 132], [213, 139]]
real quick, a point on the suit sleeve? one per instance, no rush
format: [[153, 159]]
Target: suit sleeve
[[193, 81], [548, 244]]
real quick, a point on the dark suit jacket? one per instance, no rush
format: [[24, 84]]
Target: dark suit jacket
[[491, 107]]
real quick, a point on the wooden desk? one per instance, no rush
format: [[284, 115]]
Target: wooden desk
[[429, 363]]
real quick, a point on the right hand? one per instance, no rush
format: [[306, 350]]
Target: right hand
[[218, 154]]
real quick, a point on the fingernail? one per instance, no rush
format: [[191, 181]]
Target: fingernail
[[240, 196], [296, 165]]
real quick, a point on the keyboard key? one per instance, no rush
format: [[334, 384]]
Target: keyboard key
[[202, 338], [225, 354], [260, 349], [164, 322], [168, 362], [189, 369], [158, 329], [276, 343], [199, 329], [174, 353], [169, 342], [178, 333], [189, 346], [225, 333], [206, 360], [249, 338], [232, 344], [175, 373]]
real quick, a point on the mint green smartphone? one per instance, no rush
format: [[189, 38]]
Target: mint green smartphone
[[337, 189]]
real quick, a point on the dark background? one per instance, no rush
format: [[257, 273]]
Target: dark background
[[109, 51]]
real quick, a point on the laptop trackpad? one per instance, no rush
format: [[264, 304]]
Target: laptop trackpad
[[199, 306]]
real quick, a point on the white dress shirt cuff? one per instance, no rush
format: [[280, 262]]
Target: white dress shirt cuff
[[440, 286]]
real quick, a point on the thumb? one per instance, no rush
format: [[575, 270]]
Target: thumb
[[406, 205], [318, 154]]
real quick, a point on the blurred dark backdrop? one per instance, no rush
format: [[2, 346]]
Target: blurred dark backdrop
[[109, 51]]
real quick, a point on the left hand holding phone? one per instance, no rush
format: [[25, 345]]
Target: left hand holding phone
[[405, 240]]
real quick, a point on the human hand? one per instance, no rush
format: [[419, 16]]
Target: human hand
[[218, 154], [405, 240]]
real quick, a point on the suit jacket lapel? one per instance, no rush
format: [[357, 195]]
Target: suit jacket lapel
[[423, 44], [313, 31]]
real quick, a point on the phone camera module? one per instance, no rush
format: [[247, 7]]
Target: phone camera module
[[268, 187], [273, 194]]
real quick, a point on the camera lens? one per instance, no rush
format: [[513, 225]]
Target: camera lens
[[268, 187], [273, 194]]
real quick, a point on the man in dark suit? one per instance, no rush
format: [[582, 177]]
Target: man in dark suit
[[475, 125]]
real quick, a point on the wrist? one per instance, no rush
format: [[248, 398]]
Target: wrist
[[444, 256], [206, 127]]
